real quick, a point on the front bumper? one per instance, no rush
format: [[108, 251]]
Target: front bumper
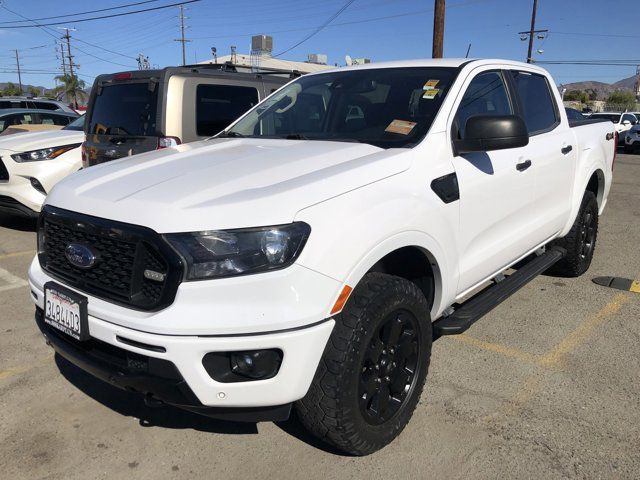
[[302, 344], [157, 379], [12, 207], [632, 141]]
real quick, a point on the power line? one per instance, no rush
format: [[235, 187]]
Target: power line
[[38, 25], [85, 13], [318, 29], [351, 22], [105, 49]]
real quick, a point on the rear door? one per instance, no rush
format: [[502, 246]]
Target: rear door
[[495, 193], [122, 121], [552, 151]]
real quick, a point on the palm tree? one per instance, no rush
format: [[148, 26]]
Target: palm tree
[[72, 88]]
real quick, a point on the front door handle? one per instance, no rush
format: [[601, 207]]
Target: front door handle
[[566, 150], [521, 167]]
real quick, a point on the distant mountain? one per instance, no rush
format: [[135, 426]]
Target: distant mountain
[[603, 90], [627, 83], [25, 88]]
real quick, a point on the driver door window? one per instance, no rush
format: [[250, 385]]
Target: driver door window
[[486, 95]]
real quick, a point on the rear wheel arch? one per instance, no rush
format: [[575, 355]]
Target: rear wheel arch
[[596, 185]]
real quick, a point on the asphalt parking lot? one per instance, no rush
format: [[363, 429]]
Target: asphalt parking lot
[[546, 386]]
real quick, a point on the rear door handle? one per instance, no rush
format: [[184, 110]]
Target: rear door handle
[[521, 167], [566, 150]]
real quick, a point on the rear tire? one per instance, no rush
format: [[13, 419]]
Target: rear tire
[[374, 366], [580, 242]]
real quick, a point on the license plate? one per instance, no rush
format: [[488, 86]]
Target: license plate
[[66, 311]]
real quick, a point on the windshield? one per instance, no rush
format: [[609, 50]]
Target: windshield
[[613, 117], [388, 108], [77, 124], [124, 109]]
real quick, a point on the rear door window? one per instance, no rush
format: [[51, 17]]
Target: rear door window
[[125, 109], [538, 107], [217, 106]]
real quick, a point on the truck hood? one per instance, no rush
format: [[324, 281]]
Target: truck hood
[[24, 142], [224, 183]]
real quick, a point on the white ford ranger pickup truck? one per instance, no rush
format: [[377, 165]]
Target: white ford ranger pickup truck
[[307, 256]]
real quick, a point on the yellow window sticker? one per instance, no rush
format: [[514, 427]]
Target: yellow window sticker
[[431, 84], [402, 127], [431, 93]]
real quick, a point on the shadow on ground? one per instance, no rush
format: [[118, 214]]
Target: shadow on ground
[[132, 405]]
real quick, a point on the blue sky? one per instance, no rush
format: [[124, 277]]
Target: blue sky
[[378, 29]]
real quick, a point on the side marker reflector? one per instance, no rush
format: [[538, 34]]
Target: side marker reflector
[[342, 299], [619, 283]]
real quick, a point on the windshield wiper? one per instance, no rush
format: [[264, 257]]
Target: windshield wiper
[[231, 134], [295, 136]]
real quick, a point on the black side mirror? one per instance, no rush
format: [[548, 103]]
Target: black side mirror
[[484, 133]]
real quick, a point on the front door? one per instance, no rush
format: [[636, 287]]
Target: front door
[[496, 189]]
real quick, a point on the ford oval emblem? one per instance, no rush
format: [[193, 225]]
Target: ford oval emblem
[[80, 255]]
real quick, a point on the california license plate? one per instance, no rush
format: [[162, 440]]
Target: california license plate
[[66, 311]]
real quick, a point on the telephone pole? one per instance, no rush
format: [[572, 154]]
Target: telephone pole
[[532, 31], [64, 63], [438, 29], [182, 39], [18, 67], [67, 37]]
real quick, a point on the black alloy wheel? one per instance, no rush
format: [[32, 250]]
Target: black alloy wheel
[[389, 367]]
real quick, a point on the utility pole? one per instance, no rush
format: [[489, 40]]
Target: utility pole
[[438, 29], [182, 39], [67, 37], [64, 63], [19, 76], [532, 31]]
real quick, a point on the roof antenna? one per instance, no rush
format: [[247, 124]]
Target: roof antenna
[[468, 50]]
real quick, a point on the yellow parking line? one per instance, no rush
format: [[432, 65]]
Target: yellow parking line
[[17, 254], [497, 348], [555, 357]]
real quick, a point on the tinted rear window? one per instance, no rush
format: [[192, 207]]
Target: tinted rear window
[[125, 109], [46, 106], [219, 105], [612, 117]]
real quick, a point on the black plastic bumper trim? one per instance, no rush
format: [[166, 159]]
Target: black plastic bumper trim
[[157, 379], [11, 206]]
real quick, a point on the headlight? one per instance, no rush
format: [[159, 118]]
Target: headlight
[[43, 154], [225, 253]]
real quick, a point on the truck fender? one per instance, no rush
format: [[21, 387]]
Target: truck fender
[[433, 252]]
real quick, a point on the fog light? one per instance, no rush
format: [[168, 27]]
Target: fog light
[[245, 366], [37, 185], [259, 364]]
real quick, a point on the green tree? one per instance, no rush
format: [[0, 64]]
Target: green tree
[[72, 88], [10, 90], [623, 99], [33, 91], [576, 96]]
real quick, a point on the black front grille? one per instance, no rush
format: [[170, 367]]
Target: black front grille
[[4, 174], [123, 254]]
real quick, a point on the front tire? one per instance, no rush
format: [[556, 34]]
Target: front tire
[[580, 242], [371, 375]]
